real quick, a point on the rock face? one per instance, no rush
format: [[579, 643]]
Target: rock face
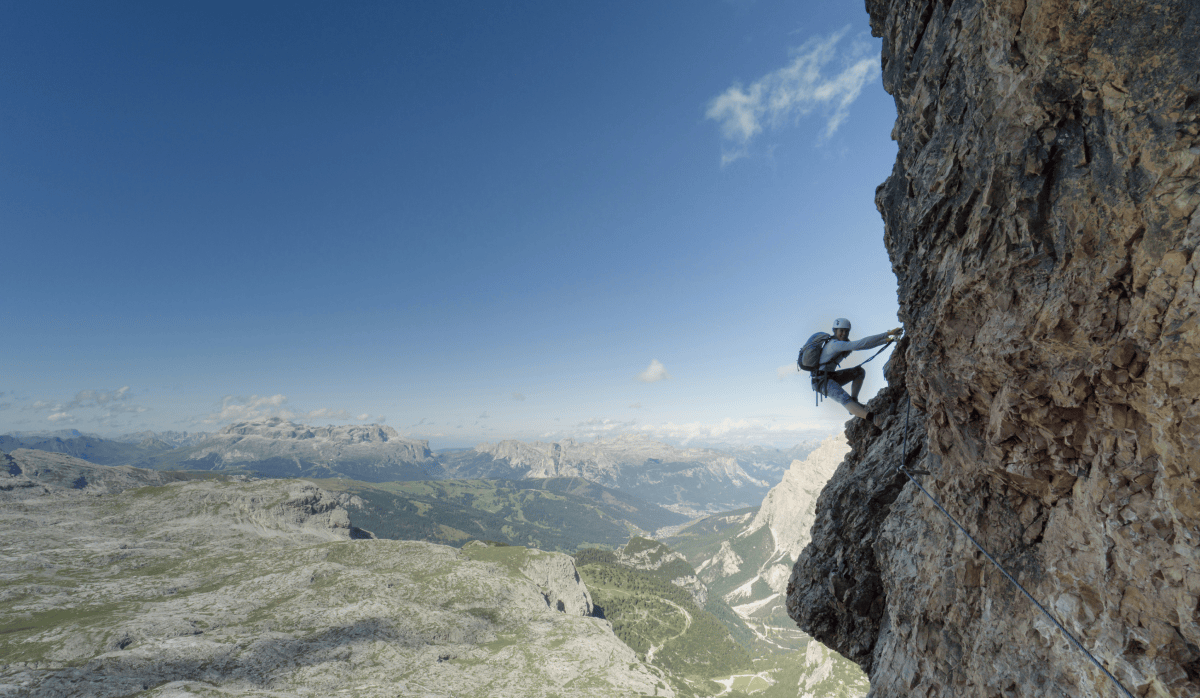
[[44, 469], [1041, 221], [556, 577], [217, 587], [789, 508]]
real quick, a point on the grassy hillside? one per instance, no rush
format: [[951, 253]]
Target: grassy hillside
[[560, 514], [736, 564], [662, 623]]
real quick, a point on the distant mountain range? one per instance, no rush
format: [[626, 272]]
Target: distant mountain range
[[274, 447], [689, 481]]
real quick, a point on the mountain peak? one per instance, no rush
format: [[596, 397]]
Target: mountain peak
[[279, 428]]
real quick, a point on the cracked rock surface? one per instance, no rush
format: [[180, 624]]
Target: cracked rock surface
[[1041, 221]]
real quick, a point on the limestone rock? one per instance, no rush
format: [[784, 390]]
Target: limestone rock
[[218, 587], [724, 564], [555, 575], [789, 508], [59, 471], [1041, 221]]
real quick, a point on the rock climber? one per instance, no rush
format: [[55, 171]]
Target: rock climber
[[827, 380]]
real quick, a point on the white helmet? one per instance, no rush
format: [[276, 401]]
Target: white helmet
[[841, 324]]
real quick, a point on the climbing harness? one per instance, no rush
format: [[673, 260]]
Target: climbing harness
[[904, 469], [821, 376]]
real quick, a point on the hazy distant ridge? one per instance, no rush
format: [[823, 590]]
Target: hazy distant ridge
[[691, 480], [274, 447]]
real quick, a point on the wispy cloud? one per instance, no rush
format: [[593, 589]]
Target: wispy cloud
[[519, 397], [755, 430], [601, 427], [240, 408], [99, 398], [102, 407], [776, 431], [809, 82], [326, 413], [654, 372]]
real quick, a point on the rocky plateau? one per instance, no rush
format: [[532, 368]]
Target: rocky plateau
[[137, 584]]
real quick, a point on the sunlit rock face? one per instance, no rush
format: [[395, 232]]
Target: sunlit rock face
[[1041, 221], [788, 508]]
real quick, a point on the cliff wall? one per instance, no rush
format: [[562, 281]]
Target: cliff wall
[[1041, 222]]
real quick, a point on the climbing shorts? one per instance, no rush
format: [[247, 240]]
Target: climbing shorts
[[833, 386]]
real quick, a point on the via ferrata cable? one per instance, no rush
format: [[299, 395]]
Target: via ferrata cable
[[904, 469]]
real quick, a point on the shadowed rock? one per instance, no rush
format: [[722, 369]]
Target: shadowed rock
[[1041, 221]]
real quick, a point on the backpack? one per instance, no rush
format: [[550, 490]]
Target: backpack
[[810, 355]]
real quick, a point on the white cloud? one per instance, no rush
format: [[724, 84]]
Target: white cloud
[[654, 372], [102, 407], [793, 91], [98, 398], [774, 431], [239, 408], [755, 430], [599, 427], [786, 371], [326, 413], [236, 408]]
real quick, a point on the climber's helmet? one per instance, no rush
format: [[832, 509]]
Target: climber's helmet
[[841, 329]]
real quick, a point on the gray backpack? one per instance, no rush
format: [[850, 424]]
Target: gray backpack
[[810, 356]]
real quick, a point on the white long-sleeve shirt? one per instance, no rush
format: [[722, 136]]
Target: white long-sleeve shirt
[[836, 350]]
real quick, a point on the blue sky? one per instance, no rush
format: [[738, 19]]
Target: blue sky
[[467, 220]]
